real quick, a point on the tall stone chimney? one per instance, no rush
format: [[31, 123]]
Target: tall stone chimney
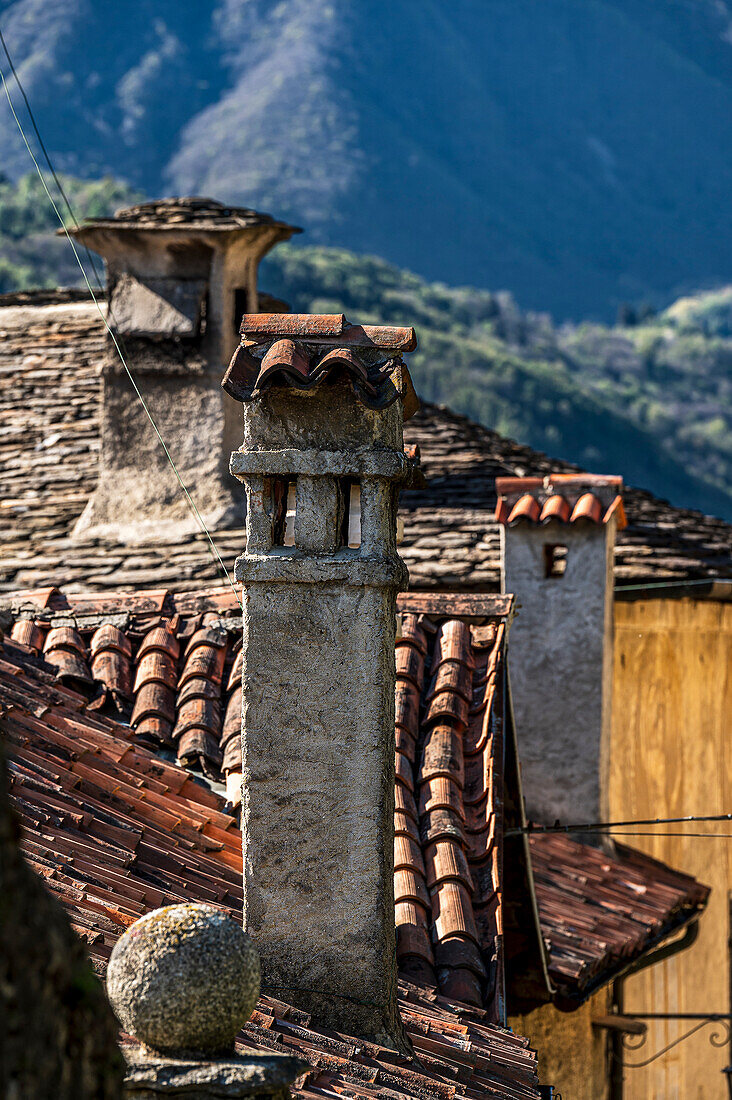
[[180, 274], [324, 403], [558, 562]]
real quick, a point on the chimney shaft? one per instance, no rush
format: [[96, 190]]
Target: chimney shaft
[[177, 273], [319, 676], [559, 535]]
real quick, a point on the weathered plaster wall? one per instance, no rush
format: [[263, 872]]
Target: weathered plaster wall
[[180, 380], [318, 711], [137, 490], [572, 1053], [318, 723], [670, 756], [557, 646]]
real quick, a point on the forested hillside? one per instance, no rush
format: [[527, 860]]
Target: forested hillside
[[575, 152], [651, 398]]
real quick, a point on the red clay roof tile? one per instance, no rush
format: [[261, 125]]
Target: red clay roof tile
[[155, 667], [454, 838], [526, 507], [154, 700], [555, 507], [589, 508], [162, 639], [112, 668], [561, 498], [28, 633], [302, 351]]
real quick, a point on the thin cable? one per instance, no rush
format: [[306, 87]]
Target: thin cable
[[600, 826], [672, 584], [51, 169], [612, 832], [217, 557]]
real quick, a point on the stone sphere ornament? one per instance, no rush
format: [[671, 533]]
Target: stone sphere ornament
[[184, 978]]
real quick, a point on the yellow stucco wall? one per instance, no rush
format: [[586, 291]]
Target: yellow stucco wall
[[572, 1054], [670, 755]]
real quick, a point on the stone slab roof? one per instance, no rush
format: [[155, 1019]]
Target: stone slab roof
[[49, 447], [452, 539]]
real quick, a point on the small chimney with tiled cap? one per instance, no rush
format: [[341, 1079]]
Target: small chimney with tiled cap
[[559, 536], [180, 274], [322, 461]]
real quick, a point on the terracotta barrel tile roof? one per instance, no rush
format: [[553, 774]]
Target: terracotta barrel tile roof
[[449, 792], [115, 831]]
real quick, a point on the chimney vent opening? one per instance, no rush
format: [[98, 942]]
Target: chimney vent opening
[[283, 491], [351, 524], [555, 560]]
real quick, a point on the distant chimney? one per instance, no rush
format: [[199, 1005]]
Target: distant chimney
[[322, 461], [558, 562], [180, 274]]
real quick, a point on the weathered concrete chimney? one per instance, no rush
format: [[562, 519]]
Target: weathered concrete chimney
[[558, 561], [324, 403], [180, 274]]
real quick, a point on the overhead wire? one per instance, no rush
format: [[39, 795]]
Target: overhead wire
[[191, 503], [47, 158], [606, 827]]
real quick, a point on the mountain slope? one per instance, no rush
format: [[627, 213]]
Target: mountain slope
[[651, 401], [619, 400], [576, 152]]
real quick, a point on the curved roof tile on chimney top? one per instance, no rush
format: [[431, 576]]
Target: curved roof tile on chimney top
[[303, 350], [562, 498]]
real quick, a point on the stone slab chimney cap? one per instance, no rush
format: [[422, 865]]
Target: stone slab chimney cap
[[186, 213], [260, 328]]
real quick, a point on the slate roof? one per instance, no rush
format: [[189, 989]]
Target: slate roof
[[453, 737], [115, 831], [49, 451], [452, 539]]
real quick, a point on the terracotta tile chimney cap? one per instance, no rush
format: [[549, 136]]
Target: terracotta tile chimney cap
[[563, 498]]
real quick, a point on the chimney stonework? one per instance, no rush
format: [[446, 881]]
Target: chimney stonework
[[559, 537], [319, 623], [176, 270]]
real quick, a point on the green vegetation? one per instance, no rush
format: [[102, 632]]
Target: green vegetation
[[30, 253], [576, 152], [651, 400]]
